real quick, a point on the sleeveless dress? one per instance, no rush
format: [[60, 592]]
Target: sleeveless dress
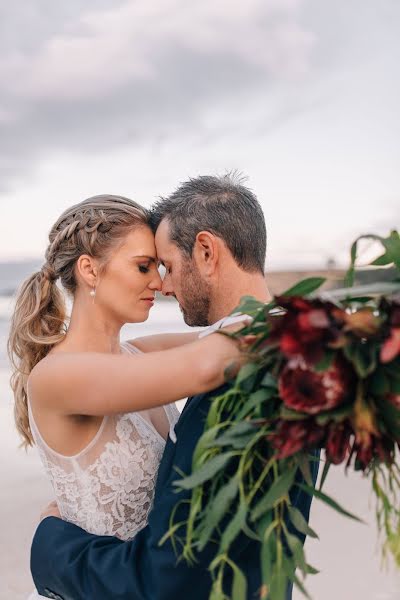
[[108, 487]]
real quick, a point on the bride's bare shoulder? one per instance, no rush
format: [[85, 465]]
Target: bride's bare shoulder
[[38, 372], [47, 375]]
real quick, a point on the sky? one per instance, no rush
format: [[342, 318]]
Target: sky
[[132, 98]]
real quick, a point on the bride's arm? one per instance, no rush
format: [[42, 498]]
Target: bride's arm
[[101, 384], [163, 341]]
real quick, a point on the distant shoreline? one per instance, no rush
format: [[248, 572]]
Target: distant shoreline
[[12, 274]]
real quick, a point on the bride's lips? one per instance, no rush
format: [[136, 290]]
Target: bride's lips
[[149, 300]]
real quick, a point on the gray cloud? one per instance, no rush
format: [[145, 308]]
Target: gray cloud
[[78, 77], [74, 80]]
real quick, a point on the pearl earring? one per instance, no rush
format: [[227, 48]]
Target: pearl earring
[[92, 293]]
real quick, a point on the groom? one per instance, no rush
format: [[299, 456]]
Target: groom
[[211, 238]]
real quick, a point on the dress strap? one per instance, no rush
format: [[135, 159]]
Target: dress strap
[[129, 348]]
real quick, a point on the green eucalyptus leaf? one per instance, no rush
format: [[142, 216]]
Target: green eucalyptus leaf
[[238, 429], [236, 435], [363, 357], [216, 593], [300, 522], [303, 461], [278, 586], [248, 305], [254, 401], [392, 247], [278, 490], [248, 370], [328, 500], [213, 412], [301, 587], [206, 441], [269, 381], [305, 287], [205, 472], [289, 566], [382, 260], [312, 570], [233, 528], [239, 584], [217, 509], [324, 475], [267, 559], [391, 417], [292, 415], [296, 547], [326, 361], [349, 277], [337, 415]]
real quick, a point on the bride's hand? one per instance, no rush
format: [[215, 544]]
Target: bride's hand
[[51, 511], [228, 351]]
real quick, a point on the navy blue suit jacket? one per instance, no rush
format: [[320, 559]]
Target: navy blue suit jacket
[[70, 564]]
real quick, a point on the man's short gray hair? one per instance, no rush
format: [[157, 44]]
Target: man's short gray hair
[[221, 205]]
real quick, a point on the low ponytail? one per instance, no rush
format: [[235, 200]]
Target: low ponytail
[[38, 323], [95, 227]]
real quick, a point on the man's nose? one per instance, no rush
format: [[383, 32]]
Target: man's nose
[[167, 289], [156, 282]]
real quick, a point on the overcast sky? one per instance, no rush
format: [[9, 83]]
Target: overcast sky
[[132, 97]]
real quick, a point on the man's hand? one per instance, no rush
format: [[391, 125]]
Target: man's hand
[[51, 511]]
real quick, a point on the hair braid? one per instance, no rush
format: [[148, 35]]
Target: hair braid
[[94, 227]]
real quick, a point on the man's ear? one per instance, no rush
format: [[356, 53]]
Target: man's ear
[[87, 269], [206, 252]]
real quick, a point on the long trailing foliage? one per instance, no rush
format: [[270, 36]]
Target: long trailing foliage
[[324, 373]]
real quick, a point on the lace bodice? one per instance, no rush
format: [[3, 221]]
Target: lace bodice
[[108, 488]]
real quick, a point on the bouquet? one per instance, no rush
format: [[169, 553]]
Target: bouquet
[[324, 375]]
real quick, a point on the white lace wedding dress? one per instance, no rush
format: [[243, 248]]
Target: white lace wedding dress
[[108, 487]]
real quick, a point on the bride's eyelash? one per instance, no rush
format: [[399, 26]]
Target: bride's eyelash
[[144, 269]]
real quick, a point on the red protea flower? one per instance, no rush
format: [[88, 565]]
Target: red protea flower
[[337, 444], [292, 436], [305, 390], [306, 328]]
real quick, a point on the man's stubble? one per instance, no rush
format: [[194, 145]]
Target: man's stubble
[[196, 296]]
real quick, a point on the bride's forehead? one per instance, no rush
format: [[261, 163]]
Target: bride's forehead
[[139, 240]]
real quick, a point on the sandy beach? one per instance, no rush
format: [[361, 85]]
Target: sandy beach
[[346, 554]]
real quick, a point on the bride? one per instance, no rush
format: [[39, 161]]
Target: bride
[[98, 410]]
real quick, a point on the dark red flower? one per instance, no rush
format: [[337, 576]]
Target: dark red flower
[[337, 444], [292, 436], [377, 448], [306, 328], [305, 390]]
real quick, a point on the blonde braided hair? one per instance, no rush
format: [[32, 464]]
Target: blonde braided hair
[[95, 227]]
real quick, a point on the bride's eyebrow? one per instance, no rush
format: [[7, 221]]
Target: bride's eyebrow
[[149, 258]]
